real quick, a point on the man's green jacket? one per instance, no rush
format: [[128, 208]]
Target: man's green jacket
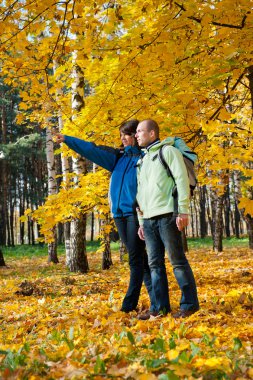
[[155, 187]]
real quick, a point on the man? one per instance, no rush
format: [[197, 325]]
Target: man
[[158, 225]]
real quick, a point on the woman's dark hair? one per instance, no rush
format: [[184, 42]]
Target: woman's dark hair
[[129, 127]]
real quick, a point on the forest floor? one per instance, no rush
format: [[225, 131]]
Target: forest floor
[[59, 325]]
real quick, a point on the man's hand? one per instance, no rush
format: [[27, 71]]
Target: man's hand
[[141, 233], [182, 221], [58, 137]]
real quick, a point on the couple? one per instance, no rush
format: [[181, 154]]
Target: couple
[[156, 224]]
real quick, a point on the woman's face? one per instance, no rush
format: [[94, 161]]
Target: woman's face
[[127, 139]]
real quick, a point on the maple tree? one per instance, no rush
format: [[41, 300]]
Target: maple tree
[[187, 65]]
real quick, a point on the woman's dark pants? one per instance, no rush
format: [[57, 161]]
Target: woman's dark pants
[[138, 262]]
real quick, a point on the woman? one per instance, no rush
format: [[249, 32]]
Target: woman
[[123, 187]]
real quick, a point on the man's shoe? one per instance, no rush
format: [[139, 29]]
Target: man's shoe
[[184, 313], [150, 315]]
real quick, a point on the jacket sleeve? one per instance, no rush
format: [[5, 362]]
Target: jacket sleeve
[[175, 160], [101, 155]]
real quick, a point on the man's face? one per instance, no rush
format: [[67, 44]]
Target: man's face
[[143, 136]]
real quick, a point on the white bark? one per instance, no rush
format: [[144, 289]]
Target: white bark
[[76, 259], [52, 189], [65, 167], [52, 185]]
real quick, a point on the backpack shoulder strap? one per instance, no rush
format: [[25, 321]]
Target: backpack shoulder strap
[[164, 163]]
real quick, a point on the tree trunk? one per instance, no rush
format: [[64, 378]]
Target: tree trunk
[[2, 262], [227, 211], [237, 218], [3, 174], [196, 213], [211, 211], [29, 229], [237, 194], [8, 225], [92, 227], [192, 220], [202, 213], [65, 170], [218, 223], [249, 218], [52, 249], [106, 257], [2, 234], [32, 232], [67, 239], [12, 205], [77, 260], [52, 189], [249, 221]]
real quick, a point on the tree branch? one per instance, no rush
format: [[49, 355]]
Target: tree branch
[[198, 20], [227, 97], [30, 22]]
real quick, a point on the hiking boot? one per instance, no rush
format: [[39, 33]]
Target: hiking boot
[[184, 313]]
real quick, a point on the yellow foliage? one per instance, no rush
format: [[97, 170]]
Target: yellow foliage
[[246, 205], [185, 65], [71, 326]]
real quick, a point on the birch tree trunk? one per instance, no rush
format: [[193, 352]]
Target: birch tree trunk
[[76, 259], [249, 218], [2, 262], [2, 225], [65, 170], [52, 189], [3, 177]]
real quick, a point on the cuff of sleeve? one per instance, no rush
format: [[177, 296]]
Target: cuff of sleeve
[[183, 211], [140, 218]]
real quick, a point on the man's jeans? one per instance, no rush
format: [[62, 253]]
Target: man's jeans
[[138, 262], [162, 233]]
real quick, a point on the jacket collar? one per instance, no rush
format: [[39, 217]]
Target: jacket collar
[[132, 149], [157, 141]]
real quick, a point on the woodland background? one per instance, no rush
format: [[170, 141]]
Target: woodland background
[[82, 68]]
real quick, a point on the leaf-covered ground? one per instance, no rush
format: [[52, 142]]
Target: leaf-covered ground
[[59, 325]]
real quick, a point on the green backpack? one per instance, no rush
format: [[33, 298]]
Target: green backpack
[[189, 159]]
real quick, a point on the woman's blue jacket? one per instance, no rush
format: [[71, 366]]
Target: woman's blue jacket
[[121, 163]]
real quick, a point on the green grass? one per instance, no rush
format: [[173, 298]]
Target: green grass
[[227, 242], [39, 250]]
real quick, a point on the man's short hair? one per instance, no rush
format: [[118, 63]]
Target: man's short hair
[[152, 126]]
